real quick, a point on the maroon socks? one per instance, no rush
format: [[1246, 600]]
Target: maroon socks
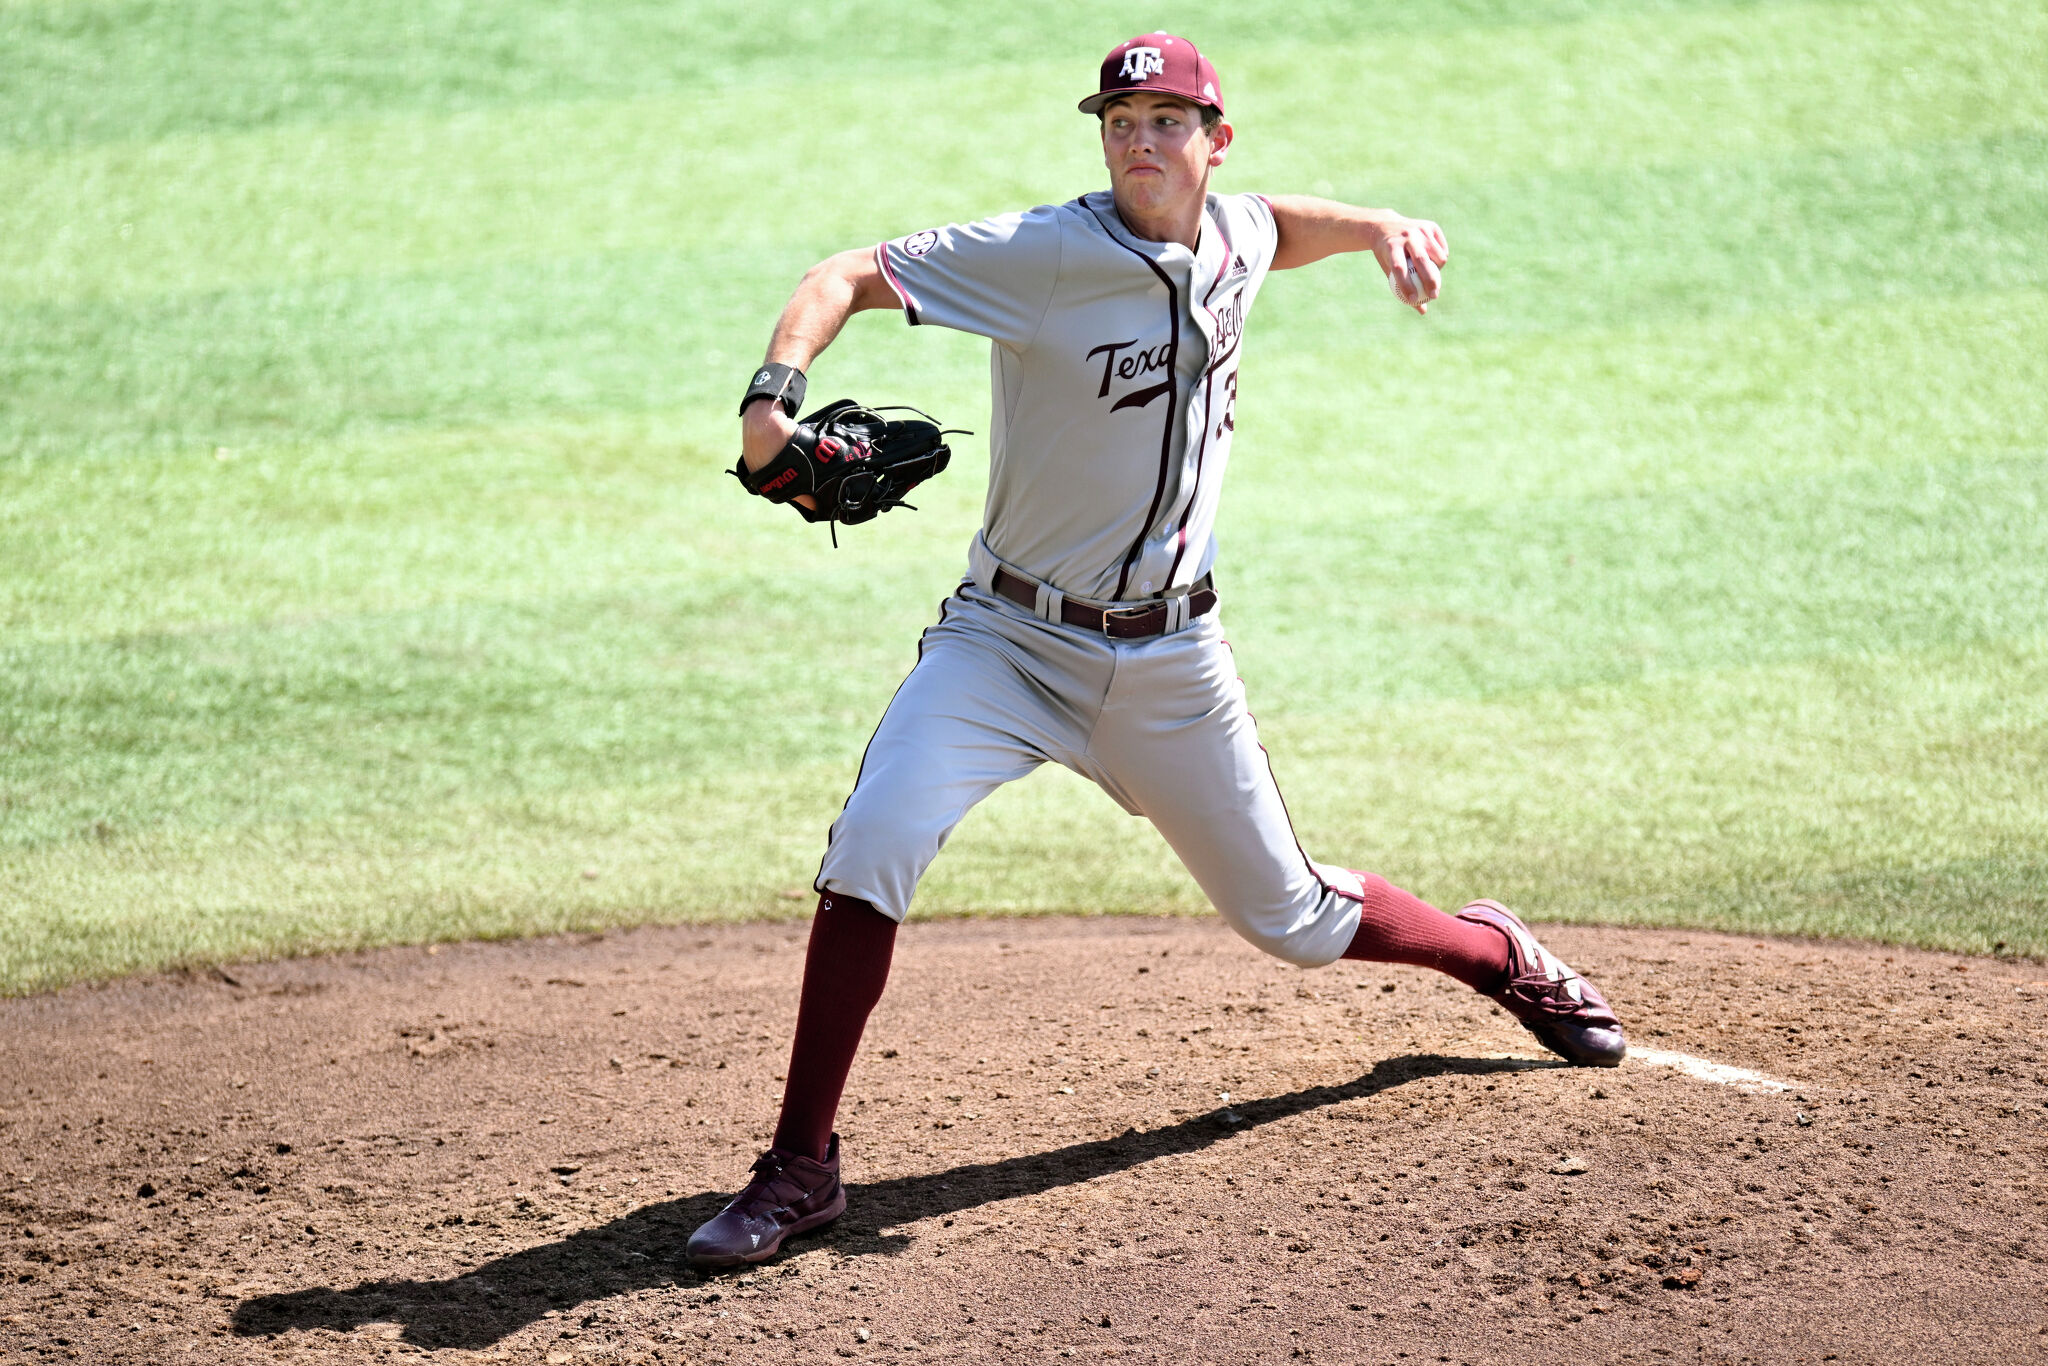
[[847, 965], [1397, 927], [845, 970]]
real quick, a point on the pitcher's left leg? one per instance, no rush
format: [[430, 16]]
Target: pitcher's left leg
[[1174, 741], [1178, 742]]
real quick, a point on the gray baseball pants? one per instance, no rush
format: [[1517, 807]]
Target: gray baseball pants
[[1159, 724]]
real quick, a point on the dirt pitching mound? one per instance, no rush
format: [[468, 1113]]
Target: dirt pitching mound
[[1106, 1139]]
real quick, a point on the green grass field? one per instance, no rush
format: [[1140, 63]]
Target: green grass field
[[368, 574]]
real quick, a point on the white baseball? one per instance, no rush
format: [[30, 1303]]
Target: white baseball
[[1406, 283]]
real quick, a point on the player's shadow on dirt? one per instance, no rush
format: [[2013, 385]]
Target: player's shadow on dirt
[[640, 1251]]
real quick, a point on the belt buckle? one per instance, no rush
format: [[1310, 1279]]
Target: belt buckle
[[1110, 614]]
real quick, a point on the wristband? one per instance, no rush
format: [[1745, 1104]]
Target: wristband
[[783, 383]]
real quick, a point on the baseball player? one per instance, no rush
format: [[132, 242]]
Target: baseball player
[[1087, 631]]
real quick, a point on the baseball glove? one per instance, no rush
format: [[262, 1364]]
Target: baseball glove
[[853, 461]]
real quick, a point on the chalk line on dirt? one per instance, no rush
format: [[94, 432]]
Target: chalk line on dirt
[[1705, 1069], [1701, 1069]]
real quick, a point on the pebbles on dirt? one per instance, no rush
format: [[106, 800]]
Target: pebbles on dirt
[[500, 1149]]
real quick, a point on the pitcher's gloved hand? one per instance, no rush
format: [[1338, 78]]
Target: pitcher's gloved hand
[[852, 461]]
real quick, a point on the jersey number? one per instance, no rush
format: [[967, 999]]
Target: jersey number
[[1229, 421]]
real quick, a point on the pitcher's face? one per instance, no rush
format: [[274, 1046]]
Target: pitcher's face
[[1159, 157]]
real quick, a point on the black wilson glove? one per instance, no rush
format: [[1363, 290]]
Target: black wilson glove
[[854, 461]]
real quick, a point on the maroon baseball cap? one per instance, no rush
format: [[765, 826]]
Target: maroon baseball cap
[[1159, 63]]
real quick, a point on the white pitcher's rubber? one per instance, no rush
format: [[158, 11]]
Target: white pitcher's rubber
[[1720, 1073]]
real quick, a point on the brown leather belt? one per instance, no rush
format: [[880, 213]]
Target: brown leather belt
[[1119, 623]]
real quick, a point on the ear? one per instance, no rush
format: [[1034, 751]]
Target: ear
[[1219, 143]]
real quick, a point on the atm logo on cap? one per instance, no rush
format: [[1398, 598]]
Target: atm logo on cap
[[1141, 62]]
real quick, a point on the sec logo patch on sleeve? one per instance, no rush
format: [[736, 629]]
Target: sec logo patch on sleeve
[[918, 243]]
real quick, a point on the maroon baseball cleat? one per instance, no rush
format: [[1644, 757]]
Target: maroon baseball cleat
[[788, 1195], [1565, 1012]]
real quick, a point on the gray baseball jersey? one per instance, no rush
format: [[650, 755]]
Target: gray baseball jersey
[[1115, 373]]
